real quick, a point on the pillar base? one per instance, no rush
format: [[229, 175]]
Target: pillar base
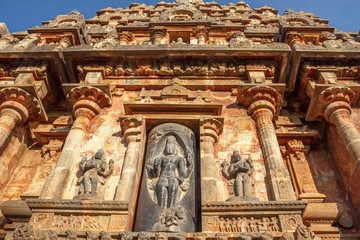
[[322, 218]]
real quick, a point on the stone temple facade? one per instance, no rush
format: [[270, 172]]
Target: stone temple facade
[[180, 121]]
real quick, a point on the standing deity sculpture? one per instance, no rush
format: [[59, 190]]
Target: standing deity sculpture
[[239, 172], [95, 171], [167, 199], [171, 167]]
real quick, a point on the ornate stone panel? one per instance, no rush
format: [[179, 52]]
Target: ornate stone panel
[[167, 198]]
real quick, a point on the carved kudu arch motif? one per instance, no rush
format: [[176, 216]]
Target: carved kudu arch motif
[[168, 186]]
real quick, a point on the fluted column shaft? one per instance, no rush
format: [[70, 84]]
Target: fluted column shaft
[[84, 111], [12, 113]]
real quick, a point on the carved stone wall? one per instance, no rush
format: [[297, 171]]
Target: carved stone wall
[[183, 120]]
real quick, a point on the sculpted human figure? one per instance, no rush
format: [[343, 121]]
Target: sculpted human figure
[[171, 167], [94, 171], [241, 171]]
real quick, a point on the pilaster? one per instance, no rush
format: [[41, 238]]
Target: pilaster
[[201, 34], [157, 34], [264, 104], [210, 129], [133, 129], [295, 154], [86, 102]]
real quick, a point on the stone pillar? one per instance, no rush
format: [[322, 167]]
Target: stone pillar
[[201, 34], [12, 113], [88, 102], [210, 128], [132, 128], [338, 113], [157, 35], [16, 108], [66, 40], [263, 105], [334, 104]]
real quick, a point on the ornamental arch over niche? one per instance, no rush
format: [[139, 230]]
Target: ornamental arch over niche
[[167, 195]]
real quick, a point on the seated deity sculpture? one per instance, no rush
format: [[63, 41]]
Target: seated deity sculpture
[[240, 171], [171, 169], [95, 172]]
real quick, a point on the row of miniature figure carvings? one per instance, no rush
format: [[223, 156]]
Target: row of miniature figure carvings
[[26, 231], [166, 67], [243, 224]]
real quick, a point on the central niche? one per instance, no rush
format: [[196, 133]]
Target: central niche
[[167, 196]]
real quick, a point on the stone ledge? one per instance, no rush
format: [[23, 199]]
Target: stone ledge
[[65, 204], [254, 206]]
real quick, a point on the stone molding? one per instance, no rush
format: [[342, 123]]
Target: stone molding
[[64, 204], [256, 206]]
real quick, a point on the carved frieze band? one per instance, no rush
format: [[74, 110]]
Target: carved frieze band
[[178, 67]]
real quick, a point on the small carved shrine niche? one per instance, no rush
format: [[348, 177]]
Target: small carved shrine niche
[[167, 195], [179, 37]]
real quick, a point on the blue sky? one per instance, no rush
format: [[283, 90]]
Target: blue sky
[[20, 15]]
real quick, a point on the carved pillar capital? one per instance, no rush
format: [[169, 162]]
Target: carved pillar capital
[[326, 101], [210, 128], [201, 34], [19, 97], [15, 110], [86, 102], [11, 114], [17, 106], [260, 99], [337, 101], [294, 38], [157, 34], [95, 98], [335, 109], [131, 127], [66, 40]]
